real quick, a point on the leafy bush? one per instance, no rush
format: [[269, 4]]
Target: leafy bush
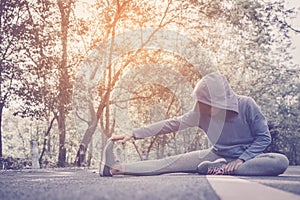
[[15, 163]]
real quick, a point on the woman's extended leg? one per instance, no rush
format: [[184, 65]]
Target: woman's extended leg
[[267, 164], [186, 163]]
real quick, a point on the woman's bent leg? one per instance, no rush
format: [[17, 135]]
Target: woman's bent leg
[[267, 164], [186, 163]]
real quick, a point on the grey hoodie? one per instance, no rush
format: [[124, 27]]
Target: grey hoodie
[[240, 131]]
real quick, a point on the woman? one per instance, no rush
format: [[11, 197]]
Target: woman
[[234, 125]]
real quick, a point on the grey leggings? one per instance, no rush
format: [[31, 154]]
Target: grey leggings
[[268, 164]]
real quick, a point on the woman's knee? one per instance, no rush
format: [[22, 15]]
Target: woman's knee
[[268, 164], [279, 161], [277, 157], [282, 161]]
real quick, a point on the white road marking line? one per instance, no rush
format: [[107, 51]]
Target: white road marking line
[[231, 188]]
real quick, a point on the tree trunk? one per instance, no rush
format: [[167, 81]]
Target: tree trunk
[[62, 138], [1, 112], [46, 138], [92, 125], [90, 154], [64, 82]]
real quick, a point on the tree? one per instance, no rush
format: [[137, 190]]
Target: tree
[[49, 24], [118, 15], [64, 78], [43, 55], [41, 52], [15, 77]]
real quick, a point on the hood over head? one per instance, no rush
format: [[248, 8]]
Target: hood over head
[[214, 90]]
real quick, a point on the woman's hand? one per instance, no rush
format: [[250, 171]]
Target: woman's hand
[[233, 166], [123, 138]]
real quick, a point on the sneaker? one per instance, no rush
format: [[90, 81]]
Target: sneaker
[[212, 168], [107, 159]]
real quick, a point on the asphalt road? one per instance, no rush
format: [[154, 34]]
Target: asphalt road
[[75, 183]]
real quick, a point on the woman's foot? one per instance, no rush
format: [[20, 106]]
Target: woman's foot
[[107, 160], [216, 167]]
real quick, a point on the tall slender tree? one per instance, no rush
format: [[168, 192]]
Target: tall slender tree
[[64, 95]]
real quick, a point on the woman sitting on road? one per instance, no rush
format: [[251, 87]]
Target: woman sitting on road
[[234, 125]]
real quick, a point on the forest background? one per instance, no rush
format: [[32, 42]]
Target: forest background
[[75, 72]]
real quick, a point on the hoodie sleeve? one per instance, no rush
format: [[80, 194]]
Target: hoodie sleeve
[[259, 129], [190, 119]]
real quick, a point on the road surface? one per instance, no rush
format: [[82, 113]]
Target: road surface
[[81, 183]]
